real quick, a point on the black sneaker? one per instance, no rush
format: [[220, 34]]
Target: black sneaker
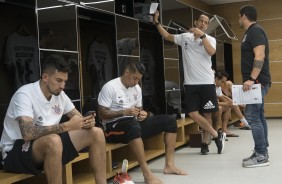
[[204, 148], [219, 141]]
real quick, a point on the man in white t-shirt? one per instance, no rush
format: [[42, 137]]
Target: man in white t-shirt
[[33, 140], [228, 101], [224, 111], [124, 120], [200, 97]]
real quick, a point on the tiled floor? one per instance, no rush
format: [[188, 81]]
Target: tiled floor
[[226, 167]]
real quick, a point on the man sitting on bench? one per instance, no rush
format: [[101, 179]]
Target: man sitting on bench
[[33, 141], [124, 120]]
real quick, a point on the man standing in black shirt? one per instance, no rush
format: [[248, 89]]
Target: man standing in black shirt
[[255, 69]]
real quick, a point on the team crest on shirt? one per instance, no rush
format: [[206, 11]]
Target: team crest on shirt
[[185, 44], [57, 109], [135, 97], [39, 121], [201, 43]]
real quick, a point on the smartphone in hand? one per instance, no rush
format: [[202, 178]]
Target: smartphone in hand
[[89, 113]]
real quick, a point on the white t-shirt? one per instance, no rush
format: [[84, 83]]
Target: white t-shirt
[[30, 101], [196, 61], [115, 96], [218, 91]]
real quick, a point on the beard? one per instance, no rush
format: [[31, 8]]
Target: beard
[[54, 92]]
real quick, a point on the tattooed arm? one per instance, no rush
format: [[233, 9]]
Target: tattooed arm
[[259, 52], [73, 112], [106, 113], [31, 132], [89, 120]]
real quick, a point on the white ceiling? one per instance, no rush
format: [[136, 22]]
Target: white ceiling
[[214, 2]]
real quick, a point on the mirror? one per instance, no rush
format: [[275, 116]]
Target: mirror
[[127, 36], [57, 25], [178, 12]]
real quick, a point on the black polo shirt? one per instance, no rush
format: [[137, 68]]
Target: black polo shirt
[[254, 36]]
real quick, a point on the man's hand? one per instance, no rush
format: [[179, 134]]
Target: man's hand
[[142, 115], [90, 122], [78, 122], [132, 112], [247, 85], [156, 17], [197, 32]]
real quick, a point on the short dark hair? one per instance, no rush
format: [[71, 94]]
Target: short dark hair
[[224, 74], [218, 75], [55, 62], [135, 66], [250, 12], [201, 14]]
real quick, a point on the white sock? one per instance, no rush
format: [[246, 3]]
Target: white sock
[[245, 122]]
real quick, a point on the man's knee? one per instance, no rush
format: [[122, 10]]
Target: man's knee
[[96, 133], [194, 115], [53, 144], [134, 131], [171, 124]]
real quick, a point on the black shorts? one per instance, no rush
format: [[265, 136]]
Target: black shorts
[[127, 129], [19, 159], [201, 98]]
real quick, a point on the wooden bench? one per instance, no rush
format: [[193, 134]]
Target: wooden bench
[[78, 171]]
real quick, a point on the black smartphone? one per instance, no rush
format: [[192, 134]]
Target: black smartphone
[[89, 113]]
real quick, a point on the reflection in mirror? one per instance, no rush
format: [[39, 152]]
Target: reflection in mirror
[[170, 49], [18, 66], [173, 98], [19, 46], [174, 10], [142, 9], [72, 85], [108, 5], [57, 27], [151, 54], [172, 71], [127, 36], [97, 49]]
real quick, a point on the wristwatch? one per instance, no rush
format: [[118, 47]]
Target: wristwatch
[[252, 79], [203, 36]]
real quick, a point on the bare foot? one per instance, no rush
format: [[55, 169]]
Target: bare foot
[[174, 170], [153, 180]]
